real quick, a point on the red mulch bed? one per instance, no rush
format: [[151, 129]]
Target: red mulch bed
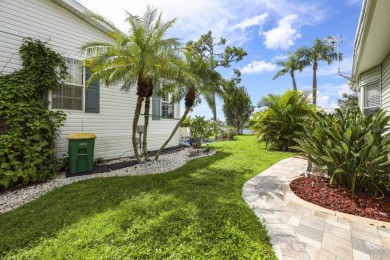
[[317, 190]]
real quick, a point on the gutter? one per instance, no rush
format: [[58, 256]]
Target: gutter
[[365, 19]]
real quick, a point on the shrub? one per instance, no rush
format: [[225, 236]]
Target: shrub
[[228, 133], [352, 148], [27, 127], [199, 129], [186, 122], [277, 124]]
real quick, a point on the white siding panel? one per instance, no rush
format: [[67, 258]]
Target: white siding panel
[[386, 85], [65, 33], [370, 76]]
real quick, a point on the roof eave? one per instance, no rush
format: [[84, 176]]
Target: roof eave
[[366, 13], [83, 13]]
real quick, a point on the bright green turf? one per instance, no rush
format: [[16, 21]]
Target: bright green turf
[[193, 212]]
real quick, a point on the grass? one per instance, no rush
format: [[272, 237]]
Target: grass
[[193, 212]]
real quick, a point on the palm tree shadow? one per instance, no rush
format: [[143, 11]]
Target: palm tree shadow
[[47, 216]]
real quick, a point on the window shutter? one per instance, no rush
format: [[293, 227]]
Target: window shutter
[[155, 108], [92, 94]]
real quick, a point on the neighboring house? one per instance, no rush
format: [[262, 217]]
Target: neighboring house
[[106, 111], [371, 56]]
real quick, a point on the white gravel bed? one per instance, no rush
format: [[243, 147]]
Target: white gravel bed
[[14, 199]]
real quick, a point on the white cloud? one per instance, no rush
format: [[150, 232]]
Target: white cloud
[[284, 35], [309, 11], [323, 101], [258, 67], [255, 20], [193, 18], [279, 57], [327, 95], [345, 67]]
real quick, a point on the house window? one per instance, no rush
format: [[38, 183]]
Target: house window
[[69, 95], [167, 106], [162, 107], [372, 98]]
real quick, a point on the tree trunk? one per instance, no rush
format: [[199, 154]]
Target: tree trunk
[[293, 80], [315, 84], [188, 102], [214, 108], [146, 123], [309, 168], [135, 123], [173, 132]]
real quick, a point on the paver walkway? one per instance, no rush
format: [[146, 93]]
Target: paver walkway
[[301, 230]]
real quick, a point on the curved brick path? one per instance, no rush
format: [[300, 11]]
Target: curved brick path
[[301, 230]]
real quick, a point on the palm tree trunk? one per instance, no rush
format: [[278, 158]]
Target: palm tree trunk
[[173, 132], [146, 123], [315, 84], [135, 123], [309, 168], [294, 83], [214, 108]]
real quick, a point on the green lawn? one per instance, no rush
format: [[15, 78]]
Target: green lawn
[[193, 212]]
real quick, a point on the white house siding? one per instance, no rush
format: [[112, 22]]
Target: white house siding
[[386, 85], [65, 33], [366, 78]]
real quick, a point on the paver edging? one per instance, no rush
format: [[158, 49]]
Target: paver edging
[[290, 196]]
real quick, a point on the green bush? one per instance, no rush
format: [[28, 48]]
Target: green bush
[[352, 148], [277, 124], [27, 127], [186, 122], [199, 129], [229, 133]]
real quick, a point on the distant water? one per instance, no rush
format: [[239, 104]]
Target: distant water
[[247, 131]]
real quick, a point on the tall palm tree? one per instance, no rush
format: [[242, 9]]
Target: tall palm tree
[[143, 57], [321, 50], [292, 64], [199, 78]]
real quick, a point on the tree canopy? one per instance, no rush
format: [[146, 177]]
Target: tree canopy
[[207, 46], [237, 105]]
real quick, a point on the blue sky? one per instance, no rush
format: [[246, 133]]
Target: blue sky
[[266, 29]]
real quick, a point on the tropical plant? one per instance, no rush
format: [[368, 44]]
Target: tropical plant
[[144, 57], [352, 148], [28, 129], [282, 117], [199, 129], [322, 50], [198, 77], [237, 105], [292, 64], [207, 47], [228, 133], [186, 122]]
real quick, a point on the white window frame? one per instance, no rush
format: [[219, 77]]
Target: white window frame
[[169, 104], [82, 86], [370, 109]]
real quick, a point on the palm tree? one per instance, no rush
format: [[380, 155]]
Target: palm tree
[[144, 57], [321, 50], [199, 78], [292, 64]]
